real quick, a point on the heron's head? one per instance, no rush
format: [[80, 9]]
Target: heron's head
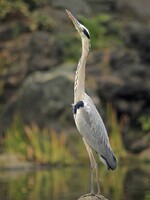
[[83, 31]]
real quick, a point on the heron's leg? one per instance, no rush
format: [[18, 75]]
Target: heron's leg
[[96, 173], [94, 167], [88, 148]]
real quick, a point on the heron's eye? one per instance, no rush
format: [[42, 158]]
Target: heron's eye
[[86, 33]]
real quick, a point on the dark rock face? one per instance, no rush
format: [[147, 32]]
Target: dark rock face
[[140, 8], [25, 55], [127, 86], [137, 37]]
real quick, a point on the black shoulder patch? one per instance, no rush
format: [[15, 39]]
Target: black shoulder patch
[[86, 33], [78, 105]]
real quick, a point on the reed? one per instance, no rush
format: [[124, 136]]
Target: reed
[[43, 146], [115, 132]]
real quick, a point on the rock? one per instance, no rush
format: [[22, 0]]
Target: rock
[[102, 5], [138, 7], [137, 37], [23, 56], [74, 7], [10, 31], [40, 56], [44, 98], [31, 52]]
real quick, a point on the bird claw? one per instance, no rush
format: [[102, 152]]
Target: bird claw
[[91, 194], [88, 194]]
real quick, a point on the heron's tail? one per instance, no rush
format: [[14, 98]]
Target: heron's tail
[[109, 160]]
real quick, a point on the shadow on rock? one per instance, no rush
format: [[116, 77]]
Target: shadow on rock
[[91, 197]]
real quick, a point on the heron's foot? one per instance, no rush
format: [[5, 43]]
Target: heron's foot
[[91, 194], [98, 193], [99, 196], [88, 195]]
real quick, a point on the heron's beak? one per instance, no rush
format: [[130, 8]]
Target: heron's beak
[[75, 21]]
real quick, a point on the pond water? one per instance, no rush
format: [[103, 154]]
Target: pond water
[[69, 183]]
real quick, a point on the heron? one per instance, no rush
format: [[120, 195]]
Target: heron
[[87, 119]]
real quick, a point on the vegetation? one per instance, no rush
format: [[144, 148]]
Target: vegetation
[[34, 19], [105, 35], [48, 147], [43, 146], [115, 132], [105, 31], [12, 6], [145, 123]]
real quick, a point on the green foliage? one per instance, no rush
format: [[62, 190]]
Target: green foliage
[[145, 123], [46, 146], [35, 20], [12, 6], [41, 21], [71, 46], [15, 140], [104, 31], [42, 146]]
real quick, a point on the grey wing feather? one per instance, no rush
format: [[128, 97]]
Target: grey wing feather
[[92, 128]]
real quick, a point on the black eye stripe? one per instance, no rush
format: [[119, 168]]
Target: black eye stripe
[[86, 33]]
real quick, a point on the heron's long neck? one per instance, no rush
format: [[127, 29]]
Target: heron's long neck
[[79, 84]]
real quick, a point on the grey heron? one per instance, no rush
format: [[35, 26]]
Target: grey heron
[[87, 119]]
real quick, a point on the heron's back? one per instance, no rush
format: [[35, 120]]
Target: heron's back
[[91, 127]]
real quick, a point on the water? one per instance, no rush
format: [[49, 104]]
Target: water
[[127, 183]]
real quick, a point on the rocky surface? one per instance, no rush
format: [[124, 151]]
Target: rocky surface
[[48, 94], [34, 83]]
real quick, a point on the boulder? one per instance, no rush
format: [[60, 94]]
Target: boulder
[[44, 98]]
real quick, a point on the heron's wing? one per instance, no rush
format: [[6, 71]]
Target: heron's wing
[[92, 128]]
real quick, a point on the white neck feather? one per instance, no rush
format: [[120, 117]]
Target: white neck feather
[[79, 84]]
